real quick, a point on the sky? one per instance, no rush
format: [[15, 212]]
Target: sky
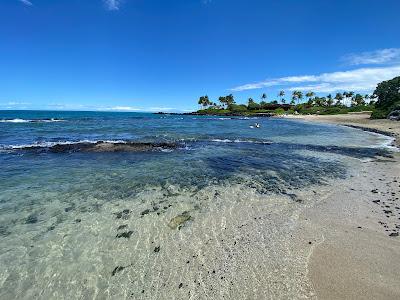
[[162, 55]]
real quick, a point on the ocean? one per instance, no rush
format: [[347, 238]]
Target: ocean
[[160, 222]]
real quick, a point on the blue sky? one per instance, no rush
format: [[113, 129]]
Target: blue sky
[[163, 54]]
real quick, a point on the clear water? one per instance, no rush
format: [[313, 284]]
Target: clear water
[[59, 211]]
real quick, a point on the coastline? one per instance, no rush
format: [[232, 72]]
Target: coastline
[[225, 239], [356, 120], [357, 255]]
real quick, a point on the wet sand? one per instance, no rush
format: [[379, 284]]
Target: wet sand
[[358, 254]]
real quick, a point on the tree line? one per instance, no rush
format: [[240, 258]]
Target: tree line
[[296, 97]]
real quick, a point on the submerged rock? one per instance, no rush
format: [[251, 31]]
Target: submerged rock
[[116, 270], [126, 234], [31, 219], [145, 212], [104, 147], [122, 227], [123, 214], [179, 220]]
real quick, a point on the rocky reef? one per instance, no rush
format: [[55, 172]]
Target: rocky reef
[[103, 147]]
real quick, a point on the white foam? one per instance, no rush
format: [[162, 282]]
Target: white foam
[[15, 121], [30, 121], [240, 141], [387, 143], [52, 144]]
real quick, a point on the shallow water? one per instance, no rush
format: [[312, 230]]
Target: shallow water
[[88, 224]]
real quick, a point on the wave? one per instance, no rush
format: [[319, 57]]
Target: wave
[[214, 118], [30, 121], [241, 141]]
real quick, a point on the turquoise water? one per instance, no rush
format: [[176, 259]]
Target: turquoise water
[[46, 197]]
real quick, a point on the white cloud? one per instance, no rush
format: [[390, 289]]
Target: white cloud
[[161, 108], [363, 79], [382, 56], [120, 108], [112, 4], [13, 103], [26, 2]]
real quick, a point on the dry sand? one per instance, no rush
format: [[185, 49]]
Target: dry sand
[[358, 256]]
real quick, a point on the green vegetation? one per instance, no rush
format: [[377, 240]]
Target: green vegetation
[[315, 105], [388, 94]]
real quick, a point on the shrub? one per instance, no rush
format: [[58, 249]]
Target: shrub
[[388, 93], [279, 111]]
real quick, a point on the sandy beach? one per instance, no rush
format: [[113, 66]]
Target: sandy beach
[[358, 254], [356, 120]]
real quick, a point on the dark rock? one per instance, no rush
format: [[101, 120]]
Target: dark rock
[[104, 147], [116, 270], [157, 249], [394, 115], [145, 212], [126, 234], [122, 227], [394, 234], [123, 214], [31, 219]]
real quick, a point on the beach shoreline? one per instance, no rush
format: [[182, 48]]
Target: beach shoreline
[[357, 256], [356, 120], [296, 218]]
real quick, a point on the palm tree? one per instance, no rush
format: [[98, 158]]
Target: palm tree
[[263, 97], [201, 101], [204, 101], [329, 100], [358, 100], [339, 98], [281, 95], [366, 98], [294, 97], [222, 100], [297, 95], [309, 95], [229, 99]]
